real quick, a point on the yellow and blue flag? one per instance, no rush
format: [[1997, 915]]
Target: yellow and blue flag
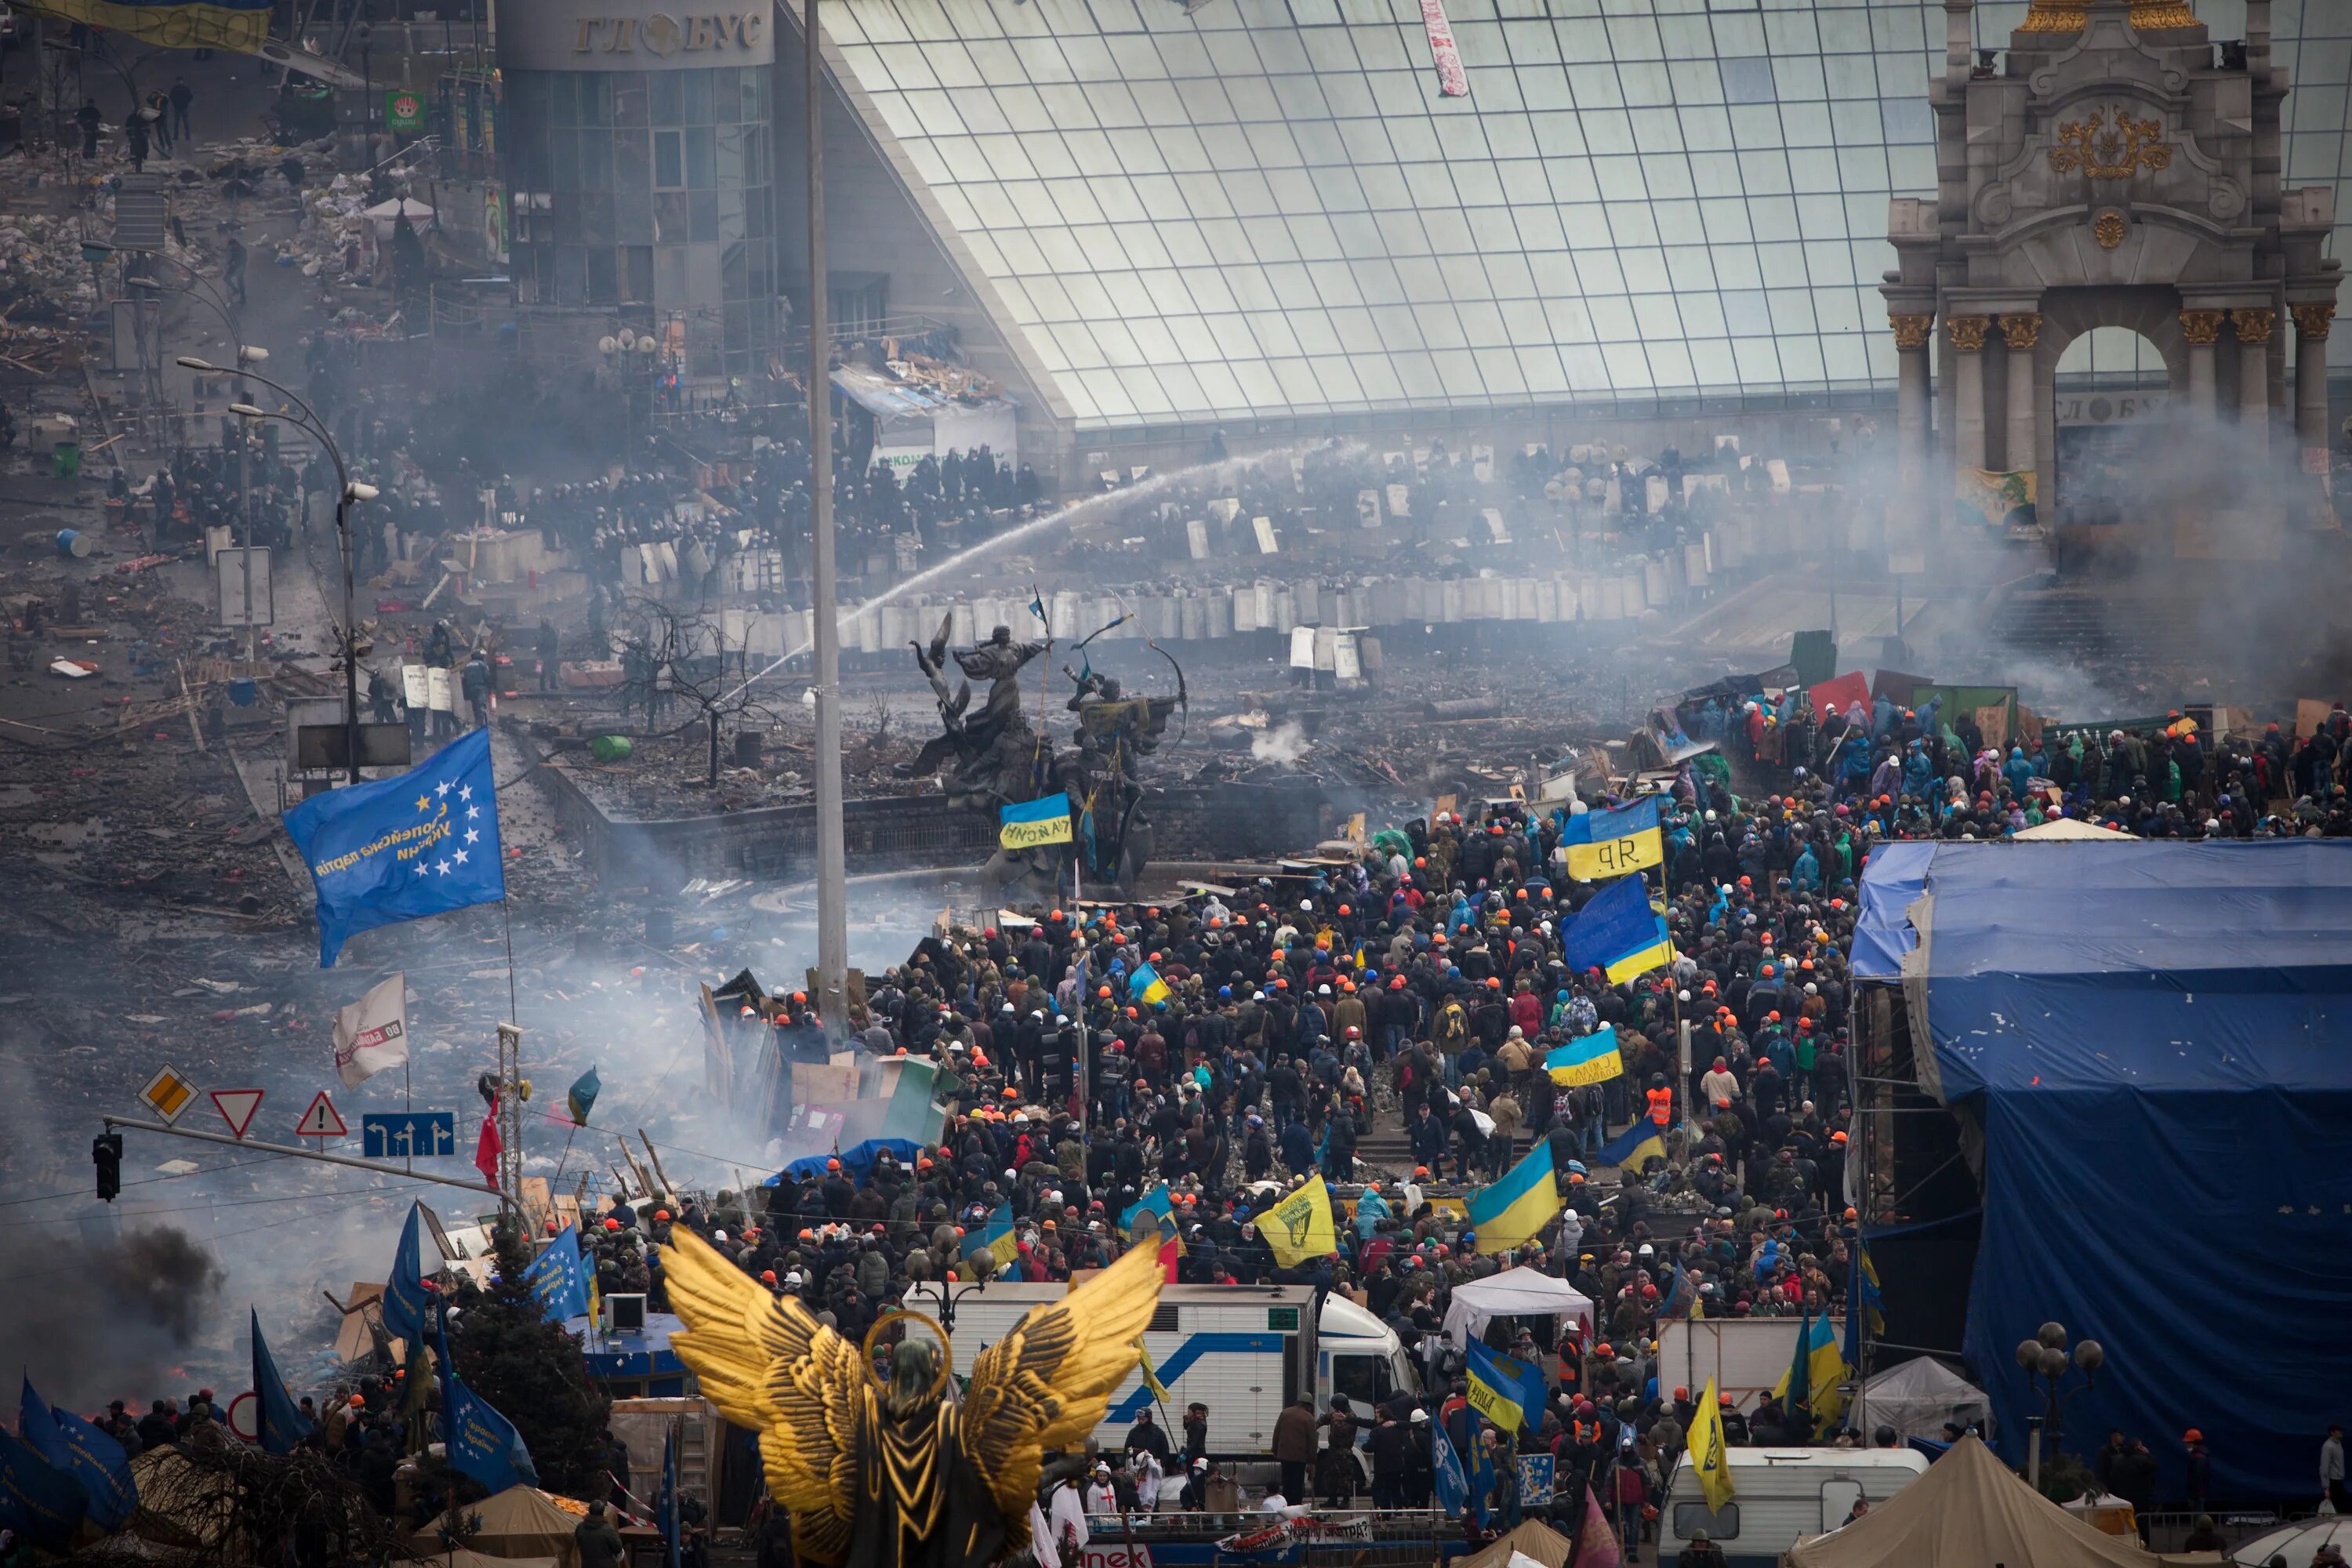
[[1604, 844], [996, 1237], [1145, 986], [239, 25], [581, 1098], [1618, 934], [1590, 1058], [1027, 823], [403, 847], [1862, 1304], [1150, 1373], [1825, 1370], [1708, 1462], [96, 1462], [1504, 1389], [1156, 1203], [1634, 1147], [1509, 1212]]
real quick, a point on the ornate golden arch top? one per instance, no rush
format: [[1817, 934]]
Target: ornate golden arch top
[[2110, 146], [2068, 16]]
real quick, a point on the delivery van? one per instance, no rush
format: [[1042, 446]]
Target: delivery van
[[1244, 1350], [1779, 1495]]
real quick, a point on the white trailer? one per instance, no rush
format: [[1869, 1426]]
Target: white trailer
[[1243, 1350]]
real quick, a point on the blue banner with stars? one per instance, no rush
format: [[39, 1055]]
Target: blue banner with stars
[[403, 847]]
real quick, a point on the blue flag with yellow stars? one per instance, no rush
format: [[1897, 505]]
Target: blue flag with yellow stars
[[403, 847]]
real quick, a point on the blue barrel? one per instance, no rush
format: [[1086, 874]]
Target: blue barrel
[[71, 542]]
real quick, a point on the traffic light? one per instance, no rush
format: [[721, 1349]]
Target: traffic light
[[106, 1153]]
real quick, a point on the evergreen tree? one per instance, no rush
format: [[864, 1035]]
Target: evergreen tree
[[509, 1353]]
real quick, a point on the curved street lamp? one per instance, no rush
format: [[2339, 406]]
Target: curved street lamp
[[348, 491]]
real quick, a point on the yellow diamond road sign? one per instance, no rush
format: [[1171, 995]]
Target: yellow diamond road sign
[[169, 1094]]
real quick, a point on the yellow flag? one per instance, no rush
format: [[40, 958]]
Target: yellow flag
[[1300, 1226], [1150, 1375], [1707, 1454]]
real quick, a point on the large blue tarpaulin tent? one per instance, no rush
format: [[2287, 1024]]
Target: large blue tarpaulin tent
[[2156, 1040]]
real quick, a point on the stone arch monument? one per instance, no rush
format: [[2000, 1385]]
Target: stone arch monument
[[2117, 168]]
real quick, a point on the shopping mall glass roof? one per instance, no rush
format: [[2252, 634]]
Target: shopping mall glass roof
[[1266, 208]]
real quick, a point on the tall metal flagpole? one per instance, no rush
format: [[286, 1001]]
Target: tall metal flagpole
[[832, 855]]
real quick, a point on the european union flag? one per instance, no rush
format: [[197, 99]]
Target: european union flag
[[36, 1497], [96, 1462], [482, 1443], [403, 1293], [283, 1424], [403, 847], [558, 1278]]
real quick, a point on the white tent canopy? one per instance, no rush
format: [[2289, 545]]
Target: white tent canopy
[[2066, 829], [1916, 1398], [1521, 1292]]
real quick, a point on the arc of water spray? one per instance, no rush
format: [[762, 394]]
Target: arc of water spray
[[1076, 511]]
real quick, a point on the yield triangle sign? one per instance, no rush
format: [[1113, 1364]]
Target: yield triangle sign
[[236, 1107], [321, 1120]]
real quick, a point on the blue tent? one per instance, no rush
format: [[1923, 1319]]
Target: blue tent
[[856, 1161], [2151, 1038]]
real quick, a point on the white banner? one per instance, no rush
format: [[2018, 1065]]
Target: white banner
[[372, 1034]]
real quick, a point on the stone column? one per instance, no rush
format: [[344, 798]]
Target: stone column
[[2018, 334], [1967, 389], [2203, 330], [2254, 377], [2311, 377], [1911, 395]]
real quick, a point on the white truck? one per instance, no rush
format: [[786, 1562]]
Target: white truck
[[1243, 1350], [1780, 1496]]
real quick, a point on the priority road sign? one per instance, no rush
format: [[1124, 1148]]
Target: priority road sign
[[322, 1120], [236, 1107], [168, 1094], [412, 1134]]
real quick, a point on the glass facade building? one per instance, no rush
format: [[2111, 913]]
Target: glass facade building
[[1266, 208], [657, 188]]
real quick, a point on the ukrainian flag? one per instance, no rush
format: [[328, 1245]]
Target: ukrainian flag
[[1513, 1210], [1030, 823], [1155, 1203], [996, 1236], [1145, 984], [1604, 844], [1594, 1058], [1504, 1389], [1638, 1143], [1618, 934], [1825, 1369], [1862, 1304]]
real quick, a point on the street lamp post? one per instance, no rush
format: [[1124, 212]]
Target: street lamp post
[[346, 492], [247, 355], [2046, 1356], [832, 857]]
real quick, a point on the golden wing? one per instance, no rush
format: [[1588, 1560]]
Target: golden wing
[[772, 1367], [1048, 1383]]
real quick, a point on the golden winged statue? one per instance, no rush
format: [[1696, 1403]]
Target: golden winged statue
[[903, 1474]]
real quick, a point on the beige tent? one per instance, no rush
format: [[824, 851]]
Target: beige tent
[[2067, 830], [519, 1525], [465, 1558], [1968, 1512], [1546, 1546]]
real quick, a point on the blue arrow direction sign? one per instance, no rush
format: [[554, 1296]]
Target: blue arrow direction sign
[[409, 1134]]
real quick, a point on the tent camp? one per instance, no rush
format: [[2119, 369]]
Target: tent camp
[[1968, 1512], [518, 1526], [1916, 1398], [1531, 1540], [1521, 1292]]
